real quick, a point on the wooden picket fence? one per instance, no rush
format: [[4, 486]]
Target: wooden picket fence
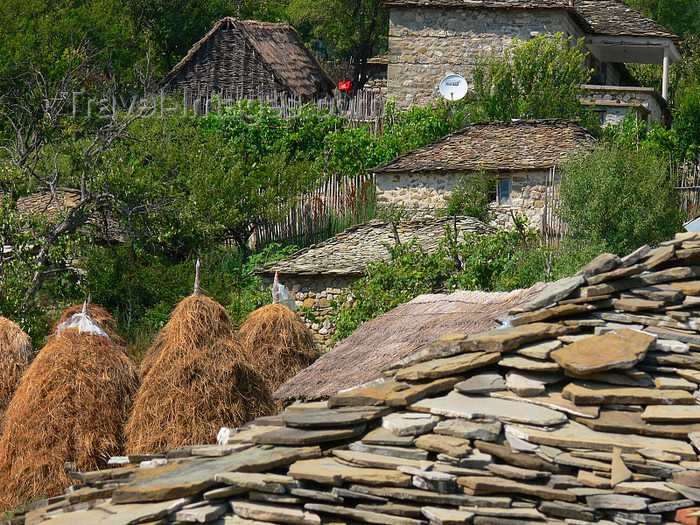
[[686, 177], [338, 203], [365, 108], [553, 228]]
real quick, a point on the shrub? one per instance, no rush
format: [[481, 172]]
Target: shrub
[[472, 196], [618, 199]]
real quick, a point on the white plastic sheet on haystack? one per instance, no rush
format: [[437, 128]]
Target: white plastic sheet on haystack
[[85, 324], [281, 295]]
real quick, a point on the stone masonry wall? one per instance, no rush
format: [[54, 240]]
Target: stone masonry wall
[[315, 294], [423, 194], [425, 44]]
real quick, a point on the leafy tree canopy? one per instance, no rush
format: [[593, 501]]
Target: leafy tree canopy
[[537, 78]]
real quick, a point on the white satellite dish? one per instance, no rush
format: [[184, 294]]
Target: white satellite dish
[[453, 87]]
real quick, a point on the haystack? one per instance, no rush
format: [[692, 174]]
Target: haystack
[[71, 405], [196, 381], [277, 342], [15, 355], [98, 314]]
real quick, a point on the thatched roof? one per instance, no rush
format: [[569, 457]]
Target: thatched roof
[[496, 146], [350, 251], [233, 48], [404, 331]]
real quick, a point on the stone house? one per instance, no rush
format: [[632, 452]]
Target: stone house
[[322, 273], [246, 58], [519, 154], [428, 40]]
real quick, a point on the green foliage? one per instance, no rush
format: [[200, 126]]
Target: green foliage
[[472, 196], [537, 78], [353, 151], [619, 198], [409, 272], [141, 291], [350, 28], [503, 261], [680, 16]]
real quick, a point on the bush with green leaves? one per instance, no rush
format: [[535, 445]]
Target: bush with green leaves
[[618, 198], [537, 78], [472, 196]]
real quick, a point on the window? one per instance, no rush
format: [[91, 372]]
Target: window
[[503, 191]]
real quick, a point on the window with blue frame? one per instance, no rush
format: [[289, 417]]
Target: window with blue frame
[[503, 191]]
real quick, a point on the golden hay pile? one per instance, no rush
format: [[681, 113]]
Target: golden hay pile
[[15, 355], [71, 405], [277, 342], [197, 380]]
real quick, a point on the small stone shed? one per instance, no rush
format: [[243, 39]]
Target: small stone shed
[[520, 154], [323, 272], [246, 58]]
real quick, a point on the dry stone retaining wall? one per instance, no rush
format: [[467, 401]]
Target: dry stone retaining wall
[[314, 294]]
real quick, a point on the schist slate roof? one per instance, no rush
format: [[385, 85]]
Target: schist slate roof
[[597, 17], [497, 146], [615, 18], [349, 252], [399, 333], [583, 410], [280, 47]]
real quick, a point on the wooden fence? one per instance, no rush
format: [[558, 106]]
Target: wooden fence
[[365, 108], [686, 178], [553, 228], [336, 204]]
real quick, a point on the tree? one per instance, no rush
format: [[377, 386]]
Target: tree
[[538, 78], [618, 198], [680, 16], [353, 28]]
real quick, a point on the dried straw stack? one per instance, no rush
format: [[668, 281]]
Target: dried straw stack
[[71, 405], [15, 355], [196, 380], [277, 342]]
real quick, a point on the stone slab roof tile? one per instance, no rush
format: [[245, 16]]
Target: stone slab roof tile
[[496, 146], [349, 252]]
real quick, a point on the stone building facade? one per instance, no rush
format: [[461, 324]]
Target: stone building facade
[[427, 44], [429, 40], [520, 156], [323, 273]]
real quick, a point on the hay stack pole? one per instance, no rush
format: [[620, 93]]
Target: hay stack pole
[[277, 341], [196, 381], [71, 405], [15, 355]]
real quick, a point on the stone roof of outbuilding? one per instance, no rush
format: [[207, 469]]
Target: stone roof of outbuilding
[[598, 17], [350, 251], [496, 146], [616, 18], [581, 410]]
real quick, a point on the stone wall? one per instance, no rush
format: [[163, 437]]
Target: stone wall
[[648, 98], [314, 294], [425, 44], [423, 194]]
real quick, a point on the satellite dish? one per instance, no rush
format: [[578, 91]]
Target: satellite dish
[[453, 87]]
